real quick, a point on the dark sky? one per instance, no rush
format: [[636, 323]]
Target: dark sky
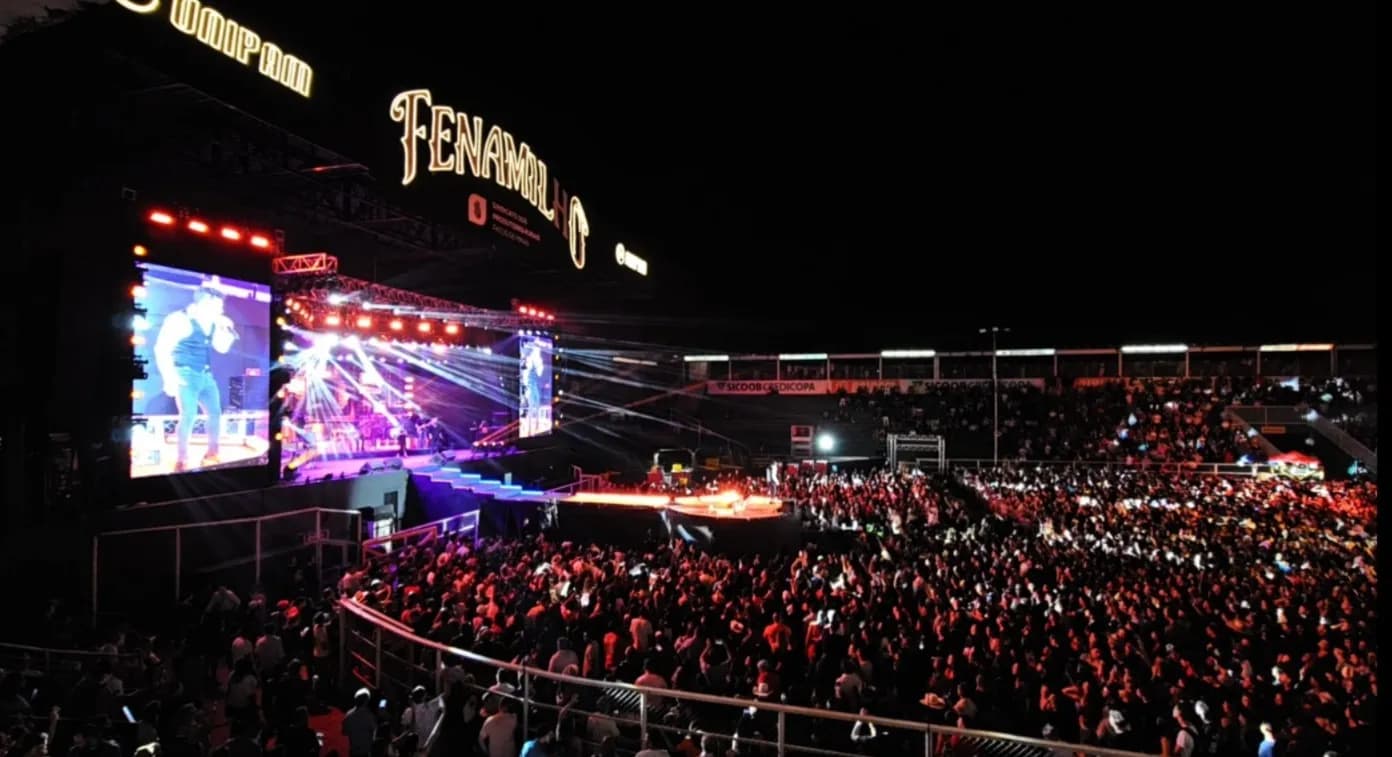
[[864, 182]]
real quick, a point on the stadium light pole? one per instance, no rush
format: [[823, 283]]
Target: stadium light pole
[[995, 393]]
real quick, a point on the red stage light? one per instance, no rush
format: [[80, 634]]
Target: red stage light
[[260, 242], [140, 251], [198, 226], [451, 328], [162, 218], [138, 291], [332, 320], [550, 317], [396, 325], [423, 327], [364, 322], [230, 233]]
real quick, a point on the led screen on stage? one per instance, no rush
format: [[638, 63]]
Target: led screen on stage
[[534, 386], [204, 403]]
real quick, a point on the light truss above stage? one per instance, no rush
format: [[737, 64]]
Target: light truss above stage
[[313, 280]]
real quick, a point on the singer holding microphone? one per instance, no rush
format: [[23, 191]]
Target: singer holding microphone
[[184, 358]]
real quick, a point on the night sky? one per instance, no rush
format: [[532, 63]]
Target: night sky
[[832, 183]]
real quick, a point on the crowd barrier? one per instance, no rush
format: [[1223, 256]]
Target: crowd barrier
[[382, 547], [136, 567], [379, 652]]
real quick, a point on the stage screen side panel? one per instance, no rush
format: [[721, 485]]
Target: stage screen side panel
[[534, 386], [205, 403]]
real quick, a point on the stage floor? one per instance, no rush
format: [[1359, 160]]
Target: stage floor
[[350, 467]]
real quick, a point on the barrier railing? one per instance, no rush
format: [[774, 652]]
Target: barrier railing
[[381, 547], [385, 655], [236, 551], [1218, 469], [1344, 441]]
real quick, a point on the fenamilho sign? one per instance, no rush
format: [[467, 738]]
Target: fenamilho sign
[[458, 143], [212, 28]]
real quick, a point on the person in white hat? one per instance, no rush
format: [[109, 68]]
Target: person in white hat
[[360, 725]]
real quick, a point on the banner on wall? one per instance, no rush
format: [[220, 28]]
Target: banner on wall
[[766, 387], [850, 386], [912, 386], [1092, 382]]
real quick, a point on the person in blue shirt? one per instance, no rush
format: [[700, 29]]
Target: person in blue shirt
[[1267, 748]]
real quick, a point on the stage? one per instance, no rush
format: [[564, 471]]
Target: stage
[[724, 522], [342, 467]]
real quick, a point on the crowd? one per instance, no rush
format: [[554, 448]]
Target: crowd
[[1120, 608], [230, 675], [1126, 607], [1131, 420], [1350, 404]]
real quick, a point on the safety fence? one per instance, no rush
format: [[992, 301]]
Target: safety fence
[[385, 655], [383, 546], [137, 568]]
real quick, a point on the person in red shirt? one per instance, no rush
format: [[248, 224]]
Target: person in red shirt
[[778, 635]]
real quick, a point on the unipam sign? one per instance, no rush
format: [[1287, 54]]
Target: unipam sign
[[217, 31]]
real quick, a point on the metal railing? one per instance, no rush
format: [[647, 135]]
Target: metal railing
[[385, 655], [238, 551], [1217, 469], [1344, 441], [381, 547]]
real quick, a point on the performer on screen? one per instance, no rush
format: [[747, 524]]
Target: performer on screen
[[184, 358], [533, 371]]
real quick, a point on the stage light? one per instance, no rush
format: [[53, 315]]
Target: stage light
[[364, 322], [260, 242], [136, 394], [332, 320], [279, 436], [438, 349], [162, 218], [140, 251], [826, 443], [289, 346], [138, 291], [550, 317], [138, 323], [137, 340], [280, 321], [198, 226], [396, 325], [451, 328], [230, 233], [423, 327], [336, 299]]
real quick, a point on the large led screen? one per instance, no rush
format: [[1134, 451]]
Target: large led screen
[[204, 404], [534, 386]]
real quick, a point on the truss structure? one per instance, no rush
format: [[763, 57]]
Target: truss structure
[[330, 291], [927, 453], [318, 263]]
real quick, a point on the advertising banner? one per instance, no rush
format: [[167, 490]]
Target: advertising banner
[[766, 387], [850, 386]]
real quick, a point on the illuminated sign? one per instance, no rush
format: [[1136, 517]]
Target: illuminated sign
[[630, 261], [462, 144], [232, 39]]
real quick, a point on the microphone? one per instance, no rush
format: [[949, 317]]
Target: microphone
[[225, 323]]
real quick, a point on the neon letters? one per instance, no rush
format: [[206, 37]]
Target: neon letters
[[458, 143], [230, 38]]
